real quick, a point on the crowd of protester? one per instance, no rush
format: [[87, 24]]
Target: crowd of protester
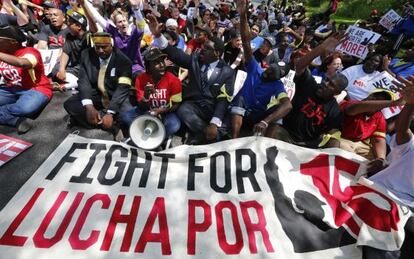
[[179, 61]]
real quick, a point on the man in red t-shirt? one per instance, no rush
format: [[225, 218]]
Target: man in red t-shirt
[[364, 126], [203, 34], [158, 93], [24, 88]]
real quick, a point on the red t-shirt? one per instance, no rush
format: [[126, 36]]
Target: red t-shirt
[[181, 24], [32, 78], [361, 127], [168, 90], [194, 45]]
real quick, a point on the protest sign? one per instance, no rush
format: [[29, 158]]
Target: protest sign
[[358, 40], [289, 84], [11, 147], [190, 13], [250, 198], [49, 58], [390, 19], [239, 82], [384, 81]]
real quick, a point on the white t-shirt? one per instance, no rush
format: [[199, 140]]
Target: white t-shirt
[[358, 87], [398, 177]]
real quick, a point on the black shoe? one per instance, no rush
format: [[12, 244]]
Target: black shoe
[[23, 125]]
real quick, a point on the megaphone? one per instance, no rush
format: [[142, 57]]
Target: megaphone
[[147, 132]]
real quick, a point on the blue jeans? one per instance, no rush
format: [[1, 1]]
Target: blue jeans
[[16, 103], [170, 120]]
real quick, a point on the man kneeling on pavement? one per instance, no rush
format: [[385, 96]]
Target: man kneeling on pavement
[[104, 82]]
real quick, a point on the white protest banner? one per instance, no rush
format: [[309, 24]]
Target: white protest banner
[[246, 198], [11, 147], [49, 58], [358, 40], [384, 81], [239, 81], [390, 19], [289, 84]]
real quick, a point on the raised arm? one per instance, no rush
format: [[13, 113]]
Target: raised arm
[[93, 13], [137, 6], [21, 17], [174, 54], [328, 45], [402, 125], [91, 21], [244, 30]]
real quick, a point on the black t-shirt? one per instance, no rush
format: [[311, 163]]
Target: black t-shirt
[[230, 54], [7, 19], [73, 48], [311, 116], [55, 38]]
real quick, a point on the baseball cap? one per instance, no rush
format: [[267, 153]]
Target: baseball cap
[[279, 68], [271, 40], [49, 4], [12, 32], [154, 54], [171, 22], [78, 18], [391, 95]]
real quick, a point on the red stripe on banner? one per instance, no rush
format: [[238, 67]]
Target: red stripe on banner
[[351, 196], [4, 157]]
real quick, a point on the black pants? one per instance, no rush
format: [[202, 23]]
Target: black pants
[[197, 118], [77, 111]]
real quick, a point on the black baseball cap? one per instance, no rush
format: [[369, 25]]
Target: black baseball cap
[[78, 18], [49, 4], [12, 32], [271, 40], [154, 54]]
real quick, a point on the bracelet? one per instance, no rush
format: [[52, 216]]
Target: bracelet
[[265, 123]]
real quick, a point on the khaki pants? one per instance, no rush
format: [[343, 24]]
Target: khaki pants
[[358, 147]]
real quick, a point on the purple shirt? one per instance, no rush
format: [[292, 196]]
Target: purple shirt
[[130, 45]]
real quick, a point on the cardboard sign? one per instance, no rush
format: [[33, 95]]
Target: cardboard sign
[[11, 147], [246, 198], [358, 41], [385, 81], [50, 58], [390, 19], [289, 84], [239, 82]]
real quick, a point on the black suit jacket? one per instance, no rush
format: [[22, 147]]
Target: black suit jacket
[[217, 94], [117, 77]]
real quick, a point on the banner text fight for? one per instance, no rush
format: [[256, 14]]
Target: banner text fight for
[[142, 161]]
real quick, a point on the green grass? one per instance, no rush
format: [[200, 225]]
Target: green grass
[[339, 19]]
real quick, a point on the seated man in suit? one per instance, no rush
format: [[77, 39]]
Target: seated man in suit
[[207, 96], [104, 82]]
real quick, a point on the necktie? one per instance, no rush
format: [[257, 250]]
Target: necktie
[[101, 84], [204, 77]]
